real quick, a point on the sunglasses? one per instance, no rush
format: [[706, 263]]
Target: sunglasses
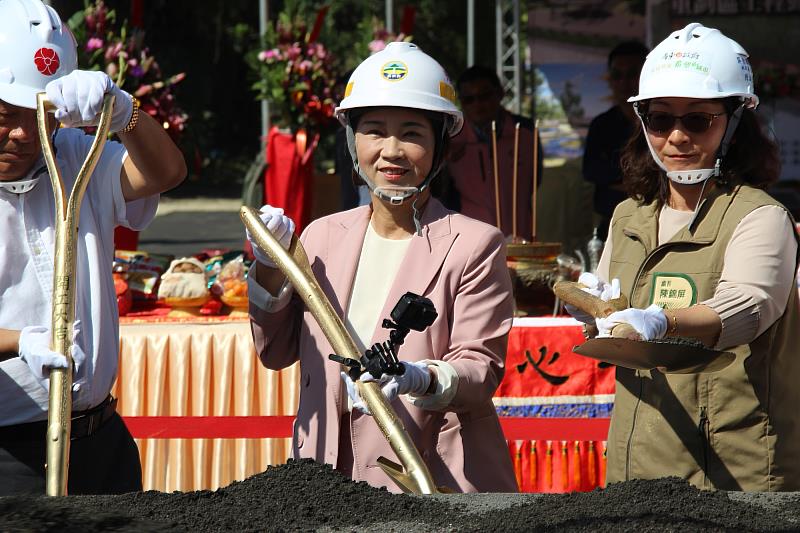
[[696, 122]]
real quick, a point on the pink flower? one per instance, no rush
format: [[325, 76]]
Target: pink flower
[[376, 46], [294, 51], [267, 55], [93, 44], [112, 52]]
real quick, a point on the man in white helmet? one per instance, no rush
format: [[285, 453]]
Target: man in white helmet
[[702, 252], [38, 54], [399, 114]]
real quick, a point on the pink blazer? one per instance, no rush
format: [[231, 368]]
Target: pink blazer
[[472, 169], [458, 263]]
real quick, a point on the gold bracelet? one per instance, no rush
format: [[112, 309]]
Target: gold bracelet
[[674, 328], [134, 116]]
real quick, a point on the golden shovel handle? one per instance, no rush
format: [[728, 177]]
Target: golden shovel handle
[[67, 207], [572, 293], [416, 477]]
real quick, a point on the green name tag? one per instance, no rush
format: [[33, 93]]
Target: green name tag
[[673, 291]]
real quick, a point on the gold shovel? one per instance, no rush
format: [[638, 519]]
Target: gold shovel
[[625, 348], [412, 476], [63, 311]]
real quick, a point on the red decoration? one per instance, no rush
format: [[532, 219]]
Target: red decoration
[[407, 24], [47, 61], [125, 238], [290, 174], [312, 37], [124, 297], [137, 13]]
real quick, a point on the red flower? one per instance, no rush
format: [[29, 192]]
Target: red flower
[[47, 61]]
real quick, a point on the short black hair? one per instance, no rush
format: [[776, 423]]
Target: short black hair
[[479, 72], [628, 48]]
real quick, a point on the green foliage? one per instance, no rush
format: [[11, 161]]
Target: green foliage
[[108, 45]]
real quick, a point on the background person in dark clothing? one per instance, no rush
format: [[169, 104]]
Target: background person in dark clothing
[[610, 131], [470, 165]]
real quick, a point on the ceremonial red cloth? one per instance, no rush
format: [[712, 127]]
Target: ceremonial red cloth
[[288, 180], [554, 381]]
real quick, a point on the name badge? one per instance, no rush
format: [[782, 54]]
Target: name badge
[[673, 291]]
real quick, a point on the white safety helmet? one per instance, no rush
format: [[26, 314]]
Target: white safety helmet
[[401, 75], [35, 48], [697, 62]]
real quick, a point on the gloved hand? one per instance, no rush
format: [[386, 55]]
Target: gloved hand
[[650, 323], [281, 227], [596, 287], [34, 349], [79, 99], [415, 380]]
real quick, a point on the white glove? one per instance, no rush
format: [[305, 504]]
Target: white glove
[[415, 380], [650, 323], [281, 227], [596, 287], [34, 349], [78, 97]]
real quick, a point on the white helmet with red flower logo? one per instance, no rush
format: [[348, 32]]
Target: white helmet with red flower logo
[[36, 47]]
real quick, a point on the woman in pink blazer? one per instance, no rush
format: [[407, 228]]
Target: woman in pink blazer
[[399, 114]]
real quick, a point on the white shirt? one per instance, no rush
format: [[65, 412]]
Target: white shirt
[[377, 268], [27, 245]]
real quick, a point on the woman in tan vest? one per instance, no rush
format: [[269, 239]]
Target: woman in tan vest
[[702, 252]]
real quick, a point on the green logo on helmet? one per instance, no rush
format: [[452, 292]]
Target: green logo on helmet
[[394, 71]]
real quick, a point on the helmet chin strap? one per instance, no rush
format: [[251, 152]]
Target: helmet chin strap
[[25, 184], [694, 177], [395, 195]]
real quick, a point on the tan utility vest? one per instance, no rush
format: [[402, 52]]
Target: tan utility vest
[[737, 429]]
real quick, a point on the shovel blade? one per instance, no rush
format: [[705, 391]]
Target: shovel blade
[[403, 480], [667, 357]]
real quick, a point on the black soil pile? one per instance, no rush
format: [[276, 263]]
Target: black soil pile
[[668, 504], [306, 496]]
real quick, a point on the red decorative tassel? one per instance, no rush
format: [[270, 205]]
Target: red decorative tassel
[[518, 464], [548, 466], [591, 468], [564, 467], [576, 467], [533, 465]]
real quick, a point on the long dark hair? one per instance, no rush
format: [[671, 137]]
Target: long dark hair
[[752, 158]]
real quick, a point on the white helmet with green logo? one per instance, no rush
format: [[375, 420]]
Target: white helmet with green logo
[[401, 75]]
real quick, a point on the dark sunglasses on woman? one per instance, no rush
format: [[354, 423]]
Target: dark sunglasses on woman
[[695, 122]]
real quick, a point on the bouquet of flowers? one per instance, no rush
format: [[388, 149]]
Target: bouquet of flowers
[[105, 45], [297, 74]]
